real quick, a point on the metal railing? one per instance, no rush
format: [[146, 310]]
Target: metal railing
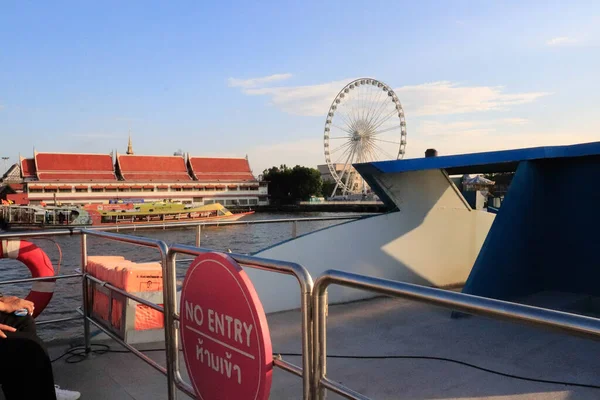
[[15, 235], [282, 267], [45, 278], [314, 306], [497, 309], [85, 311], [198, 225], [171, 316], [168, 300]]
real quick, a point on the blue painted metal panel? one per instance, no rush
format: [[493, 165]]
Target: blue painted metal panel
[[494, 161], [544, 237]]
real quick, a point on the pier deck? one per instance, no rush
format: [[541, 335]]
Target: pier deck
[[387, 327]]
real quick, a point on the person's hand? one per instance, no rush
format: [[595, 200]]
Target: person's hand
[[7, 329], [9, 304]]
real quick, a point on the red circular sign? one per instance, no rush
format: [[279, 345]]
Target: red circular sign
[[226, 341]]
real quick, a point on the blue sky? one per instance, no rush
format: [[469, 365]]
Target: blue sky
[[235, 78]]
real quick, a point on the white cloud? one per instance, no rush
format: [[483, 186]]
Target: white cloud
[[429, 128], [446, 98], [448, 138], [460, 143], [561, 41], [436, 98], [254, 82], [430, 104], [312, 100]]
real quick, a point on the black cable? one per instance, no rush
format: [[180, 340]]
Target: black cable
[[466, 364], [78, 354]]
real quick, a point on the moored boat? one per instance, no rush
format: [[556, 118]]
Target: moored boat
[[13, 216]]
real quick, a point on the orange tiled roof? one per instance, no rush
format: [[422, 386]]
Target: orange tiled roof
[[28, 168], [221, 169], [153, 168], [74, 167]]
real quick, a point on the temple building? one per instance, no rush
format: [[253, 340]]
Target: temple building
[[78, 178]]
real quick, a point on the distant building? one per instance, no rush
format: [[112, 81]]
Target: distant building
[[10, 183], [77, 178], [12, 174], [339, 168]]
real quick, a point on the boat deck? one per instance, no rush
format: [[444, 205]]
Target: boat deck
[[387, 327]]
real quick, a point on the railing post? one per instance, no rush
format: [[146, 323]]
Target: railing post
[[294, 229], [198, 235], [171, 335], [86, 293], [319, 340], [307, 345]]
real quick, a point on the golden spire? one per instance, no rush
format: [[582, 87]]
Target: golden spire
[[129, 146]]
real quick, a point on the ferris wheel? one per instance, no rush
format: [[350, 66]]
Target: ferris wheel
[[365, 123]]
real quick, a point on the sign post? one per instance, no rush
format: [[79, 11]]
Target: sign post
[[224, 331]]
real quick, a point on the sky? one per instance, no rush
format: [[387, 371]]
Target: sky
[[237, 78]]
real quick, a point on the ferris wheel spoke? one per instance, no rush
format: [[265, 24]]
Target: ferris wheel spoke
[[342, 129], [371, 150], [354, 104], [345, 169], [338, 137], [366, 99], [387, 117], [355, 117], [347, 119], [377, 114], [347, 144], [375, 133], [342, 155], [385, 141], [379, 102], [382, 116], [374, 106], [373, 101], [338, 113], [382, 151], [375, 96], [349, 174], [365, 103], [358, 104], [373, 153]]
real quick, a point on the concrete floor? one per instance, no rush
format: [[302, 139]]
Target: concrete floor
[[385, 326]]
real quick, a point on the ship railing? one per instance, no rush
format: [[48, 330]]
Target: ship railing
[[314, 306], [199, 225], [85, 310], [169, 310], [281, 267], [571, 324], [25, 235], [56, 277]]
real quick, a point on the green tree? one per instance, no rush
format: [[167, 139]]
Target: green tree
[[288, 185], [327, 189]]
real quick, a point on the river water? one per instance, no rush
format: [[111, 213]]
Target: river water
[[67, 296]]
